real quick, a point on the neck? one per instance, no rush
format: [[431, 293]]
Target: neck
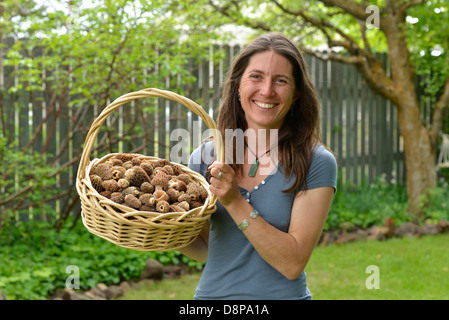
[[261, 140]]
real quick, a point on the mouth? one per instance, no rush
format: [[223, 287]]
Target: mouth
[[265, 106]]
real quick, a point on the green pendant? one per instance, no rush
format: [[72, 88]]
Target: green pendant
[[253, 169]]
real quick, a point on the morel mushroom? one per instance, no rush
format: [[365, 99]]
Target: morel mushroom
[[184, 204], [147, 187], [148, 199], [184, 198], [176, 208], [132, 201], [163, 206], [117, 197], [160, 181], [103, 170], [131, 190], [136, 176], [127, 165], [161, 163], [147, 166], [177, 170], [161, 195], [118, 172], [193, 191], [169, 170], [106, 194], [177, 184], [144, 207], [184, 177], [96, 182], [110, 185], [124, 157], [202, 191], [173, 195], [123, 183]]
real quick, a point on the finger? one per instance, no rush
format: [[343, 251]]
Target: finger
[[221, 165], [220, 193], [215, 172]]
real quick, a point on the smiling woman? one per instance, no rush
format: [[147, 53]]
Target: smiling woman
[[267, 90], [267, 221]]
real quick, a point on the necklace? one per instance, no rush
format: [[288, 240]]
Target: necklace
[[255, 165]]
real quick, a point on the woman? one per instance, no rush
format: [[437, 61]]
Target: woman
[[271, 208]]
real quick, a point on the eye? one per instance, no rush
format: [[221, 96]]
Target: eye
[[281, 81], [255, 76]]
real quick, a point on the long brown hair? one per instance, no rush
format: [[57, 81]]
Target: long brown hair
[[299, 133]]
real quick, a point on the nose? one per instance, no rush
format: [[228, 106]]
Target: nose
[[266, 89]]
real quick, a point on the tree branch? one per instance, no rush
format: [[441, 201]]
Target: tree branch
[[409, 3], [332, 55], [372, 71], [349, 43], [441, 108], [354, 9], [249, 23]]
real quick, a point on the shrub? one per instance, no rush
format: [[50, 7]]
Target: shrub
[[368, 204], [27, 183], [39, 256], [435, 203]]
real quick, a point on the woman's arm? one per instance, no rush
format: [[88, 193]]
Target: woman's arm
[[198, 249], [288, 252]]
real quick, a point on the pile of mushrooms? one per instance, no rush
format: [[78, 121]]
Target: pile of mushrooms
[[159, 186]]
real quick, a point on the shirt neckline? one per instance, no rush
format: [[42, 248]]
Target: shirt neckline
[[262, 183]]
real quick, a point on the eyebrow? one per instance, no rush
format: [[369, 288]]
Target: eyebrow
[[279, 75]]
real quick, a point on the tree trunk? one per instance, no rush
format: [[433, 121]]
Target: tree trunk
[[419, 156]]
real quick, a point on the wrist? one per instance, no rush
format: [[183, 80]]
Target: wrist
[[245, 223], [237, 205]]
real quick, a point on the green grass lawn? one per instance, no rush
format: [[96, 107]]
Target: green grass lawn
[[409, 268]]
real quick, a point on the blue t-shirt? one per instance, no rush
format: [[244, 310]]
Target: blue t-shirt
[[234, 269]]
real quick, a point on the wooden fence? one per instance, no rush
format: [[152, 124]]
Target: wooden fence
[[358, 125]]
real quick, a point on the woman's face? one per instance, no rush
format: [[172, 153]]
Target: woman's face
[[267, 90]]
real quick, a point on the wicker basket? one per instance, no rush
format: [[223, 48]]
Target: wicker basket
[[142, 230]]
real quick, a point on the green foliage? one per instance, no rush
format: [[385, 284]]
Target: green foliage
[[38, 258], [370, 204], [26, 179], [105, 50], [367, 205], [435, 203], [429, 45]]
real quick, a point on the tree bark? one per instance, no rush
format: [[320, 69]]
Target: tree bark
[[420, 155]]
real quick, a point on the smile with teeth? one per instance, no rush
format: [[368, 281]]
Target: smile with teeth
[[265, 105]]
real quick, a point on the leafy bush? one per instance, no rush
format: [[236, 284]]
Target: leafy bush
[[435, 203], [26, 181], [38, 258], [368, 204]]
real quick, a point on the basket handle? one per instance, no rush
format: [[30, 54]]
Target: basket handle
[[145, 93]]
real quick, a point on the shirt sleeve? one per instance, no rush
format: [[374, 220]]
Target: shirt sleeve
[[323, 170], [201, 158]]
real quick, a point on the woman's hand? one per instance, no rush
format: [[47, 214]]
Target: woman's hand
[[223, 183]]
